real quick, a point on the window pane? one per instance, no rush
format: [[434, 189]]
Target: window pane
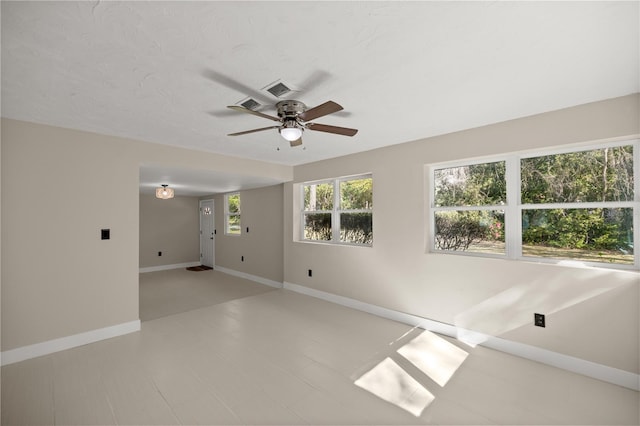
[[588, 176], [233, 203], [480, 231], [593, 235], [475, 185], [233, 224], [318, 197], [356, 228], [356, 194], [317, 226]]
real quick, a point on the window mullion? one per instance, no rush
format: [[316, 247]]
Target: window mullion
[[636, 198], [488, 207], [584, 205], [335, 216], [513, 214], [303, 216]]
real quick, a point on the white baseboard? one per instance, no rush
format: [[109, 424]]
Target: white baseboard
[[166, 267], [577, 365], [244, 275], [45, 348]]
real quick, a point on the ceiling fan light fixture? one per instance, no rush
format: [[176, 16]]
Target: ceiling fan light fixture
[[291, 133], [165, 193]]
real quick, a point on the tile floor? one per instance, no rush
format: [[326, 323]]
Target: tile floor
[[170, 292], [279, 357]]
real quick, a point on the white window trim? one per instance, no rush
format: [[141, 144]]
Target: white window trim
[[513, 208], [335, 212], [227, 214]]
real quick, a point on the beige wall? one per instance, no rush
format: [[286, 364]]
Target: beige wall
[[171, 227], [591, 313], [59, 188], [262, 246]]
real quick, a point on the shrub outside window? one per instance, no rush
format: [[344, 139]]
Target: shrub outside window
[[578, 205], [232, 214], [338, 211]]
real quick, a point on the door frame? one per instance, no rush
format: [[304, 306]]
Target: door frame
[[204, 239]]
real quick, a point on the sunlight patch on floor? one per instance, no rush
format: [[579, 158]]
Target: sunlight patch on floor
[[389, 381], [434, 356]]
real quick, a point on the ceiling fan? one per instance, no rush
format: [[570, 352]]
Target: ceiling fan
[[294, 118]]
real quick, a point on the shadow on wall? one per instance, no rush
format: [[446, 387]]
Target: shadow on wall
[[514, 307]]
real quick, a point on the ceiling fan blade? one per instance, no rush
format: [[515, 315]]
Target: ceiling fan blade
[[326, 108], [235, 85], [250, 111], [222, 113], [253, 131], [317, 78], [297, 142], [345, 131]]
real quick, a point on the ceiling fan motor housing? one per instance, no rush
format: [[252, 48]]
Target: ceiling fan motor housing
[[290, 109]]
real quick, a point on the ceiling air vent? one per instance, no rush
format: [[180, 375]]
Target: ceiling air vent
[[278, 89], [250, 103]]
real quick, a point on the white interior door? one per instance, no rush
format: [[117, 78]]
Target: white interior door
[[207, 234]]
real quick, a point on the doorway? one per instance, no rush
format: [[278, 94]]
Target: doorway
[[207, 233]]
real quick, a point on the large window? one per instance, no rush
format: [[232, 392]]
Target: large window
[[338, 210], [579, 205], [232, 213]]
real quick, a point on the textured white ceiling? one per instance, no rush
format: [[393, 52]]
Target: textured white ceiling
[[165, 71]]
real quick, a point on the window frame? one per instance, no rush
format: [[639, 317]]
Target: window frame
[[335, 212], [228, 214], [513, 208]]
